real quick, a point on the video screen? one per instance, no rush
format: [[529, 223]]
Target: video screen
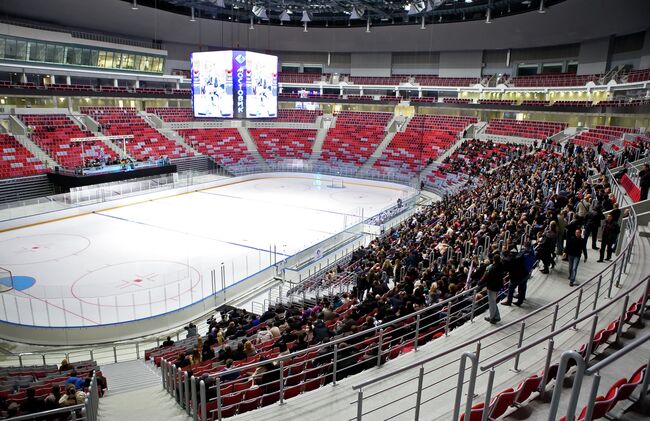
[[261, 85], [234, 84], [212, 94]]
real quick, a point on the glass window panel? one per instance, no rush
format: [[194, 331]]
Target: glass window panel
[[130, 63], [2, 47], [85, 57], [59, 53], [10, 48], [109, 59], [117, 60], [138, 59], [94, 55], [50, 53], [21, 50], [101, 60], [36, 51]]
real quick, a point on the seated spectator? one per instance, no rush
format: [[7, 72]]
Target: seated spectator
[[182, 361], [65, 366], [232, 374], [195, 358], [207, 353], [168, 342], [239, 353], [72, 396], [78, 382], [52, 400], [249, 349], [263, 335], [31, 404]]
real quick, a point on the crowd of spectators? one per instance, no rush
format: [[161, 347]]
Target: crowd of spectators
[[482, 236]]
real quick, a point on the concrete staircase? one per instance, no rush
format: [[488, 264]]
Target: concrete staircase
[[173, 135], [136, 393], [378, 152], [326, 123], [252, 147], [88, 123], [19, 131]]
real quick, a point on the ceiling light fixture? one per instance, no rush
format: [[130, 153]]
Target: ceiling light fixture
[[423, 26], [135, 5], [541, 7], [260, 12], [305, 17], [252, 25], [284, 17], [192, 19], [354, 14]]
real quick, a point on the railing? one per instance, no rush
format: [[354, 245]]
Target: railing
[[593, 371], [423, 376], [437, 319], [130, 350], [547, 342], [86, 411]]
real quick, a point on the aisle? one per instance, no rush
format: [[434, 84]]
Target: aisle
[[136, 393]]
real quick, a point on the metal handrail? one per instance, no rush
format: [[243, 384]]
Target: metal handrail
[[566, 327], [493, 332]]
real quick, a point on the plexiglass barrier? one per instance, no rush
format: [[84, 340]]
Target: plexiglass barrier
[[135, 290]]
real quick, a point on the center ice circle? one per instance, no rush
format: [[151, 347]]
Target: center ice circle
[[32, 249], [143, 280]]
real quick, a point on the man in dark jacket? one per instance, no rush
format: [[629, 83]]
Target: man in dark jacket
[[644, 181], [493, 281], [592, 224], [514, 263], [575, 247], [611, 229]]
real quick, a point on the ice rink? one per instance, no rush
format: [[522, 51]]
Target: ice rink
[[152, 257]]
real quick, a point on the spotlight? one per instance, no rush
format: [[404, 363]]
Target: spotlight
[[135, 5], [192, 19], [541, 7], [284, 17], [354, 14], [305, 17], [260, 12]]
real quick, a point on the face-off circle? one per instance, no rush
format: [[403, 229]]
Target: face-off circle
[[143, 280], [41, 248]]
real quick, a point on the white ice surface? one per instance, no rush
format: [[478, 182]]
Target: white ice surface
[[146, 259]]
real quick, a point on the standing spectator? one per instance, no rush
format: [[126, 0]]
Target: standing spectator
[[493, 281], [191, 330], [592, 224], [515, 264], [546, 247], [575, 247], [644, 180], [561, 230], [611, 230]]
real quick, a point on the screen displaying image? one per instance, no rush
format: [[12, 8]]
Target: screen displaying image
[[261, 85], [234, 84], [212, 88]]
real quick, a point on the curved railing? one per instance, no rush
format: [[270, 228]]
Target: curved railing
[[409, 332], [553, 314]]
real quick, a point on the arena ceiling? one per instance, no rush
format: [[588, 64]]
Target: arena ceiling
[[342, 13]]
